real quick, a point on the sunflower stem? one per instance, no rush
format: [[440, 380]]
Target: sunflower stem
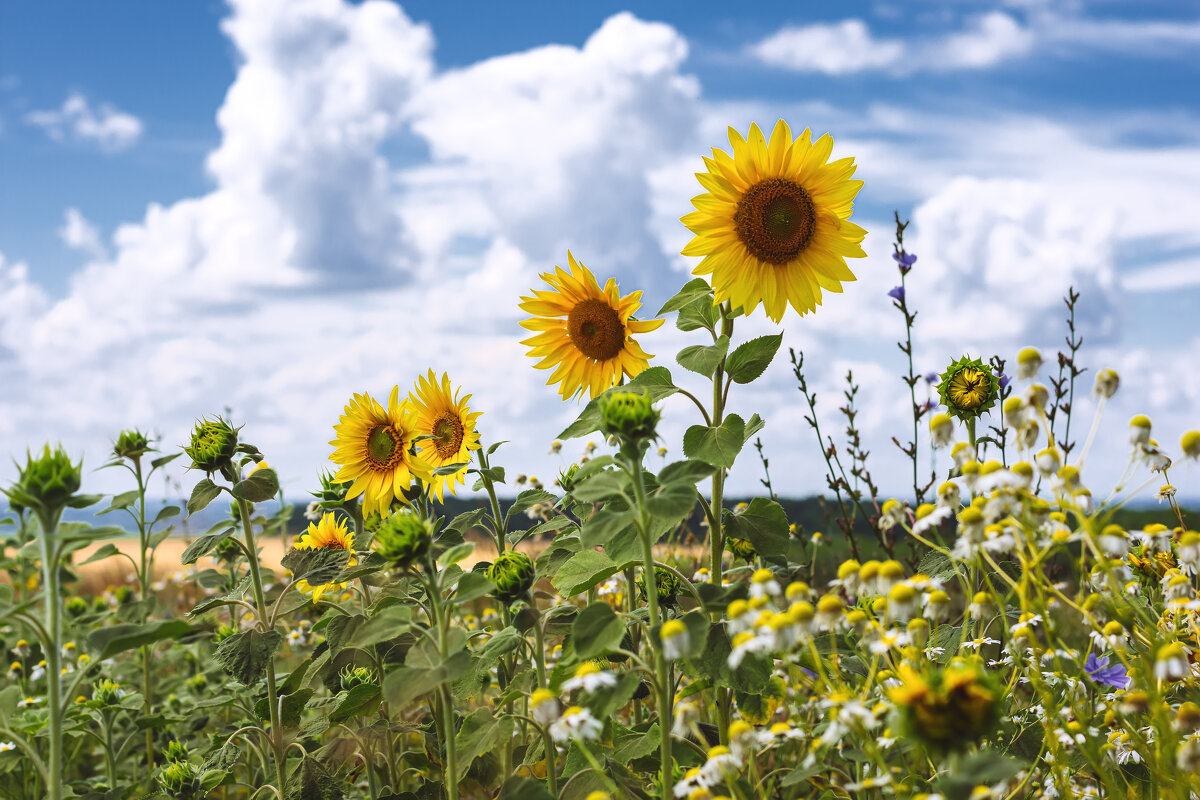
[[52, 652], [716, 522]]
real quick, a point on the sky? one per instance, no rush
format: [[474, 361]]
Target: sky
[[271, 205]]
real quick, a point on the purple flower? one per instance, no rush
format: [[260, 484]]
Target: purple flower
[[1004, 381], [1101, 673], [931, 378], [905, 260], [897, 294]]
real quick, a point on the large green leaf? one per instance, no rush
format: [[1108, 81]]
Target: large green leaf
[[405, 684], [382, 627], [311, 780], [601, 486], [317, 566], [764, 523], [115, 639], [246, 655], [691, 291], [480, 733], [263, 485], [704, 359], [717, 445], [204, 493], [751, 359], [597, 630], [582, 571], [602, 526], [360, 700], [519, 788]]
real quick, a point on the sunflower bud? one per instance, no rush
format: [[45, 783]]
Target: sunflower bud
[[131, 444], [356, 676], [179, 780], [666, 585], [402, 538], [176, 751], [741, 548], [76, 606], [106, 692], [947, 709], [513, 574], [214, 442], [47, 483], [968, 388], [628, 415]]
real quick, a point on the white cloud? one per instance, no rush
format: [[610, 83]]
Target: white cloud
[[106, 127], [848, 46], [835, 49], [80, 234]]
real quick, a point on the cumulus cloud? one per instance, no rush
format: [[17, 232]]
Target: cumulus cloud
[[80, 234], [106, 127]]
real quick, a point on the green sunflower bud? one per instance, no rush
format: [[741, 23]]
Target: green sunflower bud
[[176, 751], [356, 676], [198, 683], [741, 548], [76, 606], [223, 632], [123, 595], [666, 583], [107, 692], [628, 415], [214, 442], [947, 709], [48, 482], [566, 478], [402, 538], [333, 493], [179, 780], [513, 574], [132, 444], [968, 388]]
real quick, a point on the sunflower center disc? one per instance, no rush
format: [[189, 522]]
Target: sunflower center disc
[[775, 220], [596, 329], [447, 436], [383, 447], [967, 389]]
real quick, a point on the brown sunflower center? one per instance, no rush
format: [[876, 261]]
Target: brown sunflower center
[[447, 435], [596, 329], [383, 447], [775, 220]]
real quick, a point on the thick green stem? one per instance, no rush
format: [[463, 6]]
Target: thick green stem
[[661, 669], [716, 521], [260, 604], [146, 578], [110, 759], [53, 654], [450, 766], [539, 657]]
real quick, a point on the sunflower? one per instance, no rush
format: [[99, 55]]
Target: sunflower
[[774, 225], [328, 534], [373, 449], [585, 331], [442, 414]]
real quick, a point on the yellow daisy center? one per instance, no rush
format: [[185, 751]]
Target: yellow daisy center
[[775, 220], [968, 388], [447, 435], [383, 447], [596, 329]]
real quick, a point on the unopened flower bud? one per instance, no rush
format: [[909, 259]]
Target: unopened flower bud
[[628, 415], [403, 538], [1107, 383], [1029, 361], [214, 443], [513, 574]]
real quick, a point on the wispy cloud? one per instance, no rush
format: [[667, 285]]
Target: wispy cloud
[[79, 234], [106, 126]]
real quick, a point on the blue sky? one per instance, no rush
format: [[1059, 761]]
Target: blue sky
[[271, 205]]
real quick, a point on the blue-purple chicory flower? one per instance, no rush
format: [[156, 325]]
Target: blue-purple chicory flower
[[905, 260], [1101, 673], [1004, 381], [897, 294]]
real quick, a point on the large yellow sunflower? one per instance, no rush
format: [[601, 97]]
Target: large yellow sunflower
[[372, 448], [774, 225], [327, 534], [442, 414], [585, 332]]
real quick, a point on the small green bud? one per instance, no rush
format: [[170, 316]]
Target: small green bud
[[107, 692], [666, 583], [223, 632], [402, 538], [628, 415], [76, 606], [566, 478], [214, 442], [48, 482], [132, 444], [198, 683], [356, 676], [227, 550], [123, 594], [176, 751], [513, 574], [741, 548], [179, 780]]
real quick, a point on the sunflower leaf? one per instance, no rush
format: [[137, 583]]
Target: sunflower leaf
[[700, 313], [693, 289], [582, 571], [702, 359], [450, 469], [259, 487], [751, 359], [246, 655], [597, 630], [717, 445], [764, 523], [203, 546], [317, 566], [204, 493]]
